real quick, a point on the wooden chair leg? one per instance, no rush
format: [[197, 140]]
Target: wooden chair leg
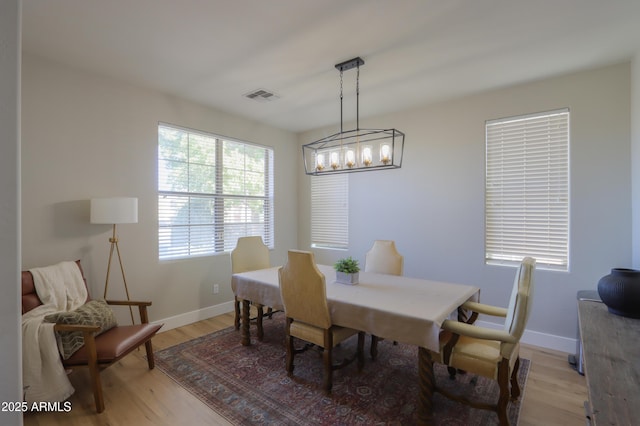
[[515, 387], [260, 331], [237, 317], [360, 353], [452, 372], [327, 357], [94, 372], [328, 369], [374, 347], [290, 349], [150, 359], [245, 331], [503, 400]]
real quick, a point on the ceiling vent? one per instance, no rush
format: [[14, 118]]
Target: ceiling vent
[[261, 95]]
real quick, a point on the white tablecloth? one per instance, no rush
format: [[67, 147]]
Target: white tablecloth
[[408, 310]]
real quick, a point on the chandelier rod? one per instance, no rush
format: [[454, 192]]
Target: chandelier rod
[[358, 98], [341, 131], [345, 66]]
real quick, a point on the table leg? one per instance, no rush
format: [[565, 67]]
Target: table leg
[[426, 380], [246, 334]]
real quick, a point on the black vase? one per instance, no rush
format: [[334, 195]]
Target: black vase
[[620, 291]]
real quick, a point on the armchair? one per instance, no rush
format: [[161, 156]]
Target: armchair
[[488, 352], [101, 351]]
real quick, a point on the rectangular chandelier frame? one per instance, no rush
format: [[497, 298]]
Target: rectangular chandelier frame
[[356, 150]]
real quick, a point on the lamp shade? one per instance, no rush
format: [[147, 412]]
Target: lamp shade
[[114, 210]]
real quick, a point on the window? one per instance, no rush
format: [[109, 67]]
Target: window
[[330, 211], [527, 190], [211, 190]]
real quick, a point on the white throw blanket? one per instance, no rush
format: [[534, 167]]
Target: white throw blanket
[[60, 288]]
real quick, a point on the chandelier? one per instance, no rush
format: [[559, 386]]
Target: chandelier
[[354, 150]]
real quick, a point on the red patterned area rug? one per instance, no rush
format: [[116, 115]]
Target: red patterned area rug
[[248, 385]]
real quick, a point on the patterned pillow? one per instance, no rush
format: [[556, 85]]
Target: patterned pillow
[[94, 312]]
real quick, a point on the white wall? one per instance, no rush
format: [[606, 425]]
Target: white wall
[[88, 136], [10, 335], [433, 207]]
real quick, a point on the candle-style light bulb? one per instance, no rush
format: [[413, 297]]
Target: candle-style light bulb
[[367, 156], [335, 160], [350, 158], [385, 154], [319, 162]]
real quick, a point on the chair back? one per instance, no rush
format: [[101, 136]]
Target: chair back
[[521, 298], [383, 258], [30, 298], [250, 254], [303, 290]]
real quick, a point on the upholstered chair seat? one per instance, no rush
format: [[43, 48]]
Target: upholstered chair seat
[[315, 335], [478, 355]]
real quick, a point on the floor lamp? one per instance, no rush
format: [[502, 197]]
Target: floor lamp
[[114, 211]]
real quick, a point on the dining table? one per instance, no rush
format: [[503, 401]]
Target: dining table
[[399, 308]]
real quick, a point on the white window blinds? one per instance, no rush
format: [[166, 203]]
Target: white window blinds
[[330, 211], [527, 189], [211, 190]]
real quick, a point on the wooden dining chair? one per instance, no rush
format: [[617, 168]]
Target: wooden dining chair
[[304, 296], [250, 254], [489, 352], [383, 258]]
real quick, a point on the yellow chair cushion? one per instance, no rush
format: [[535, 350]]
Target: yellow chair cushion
[[476, 356], [315, 335]]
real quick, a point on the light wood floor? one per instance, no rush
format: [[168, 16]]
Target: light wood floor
[[554, 394]]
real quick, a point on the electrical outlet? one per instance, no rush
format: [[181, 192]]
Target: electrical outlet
[[216, 289]]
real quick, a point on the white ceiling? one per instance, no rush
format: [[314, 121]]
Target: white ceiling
[[415, 51]]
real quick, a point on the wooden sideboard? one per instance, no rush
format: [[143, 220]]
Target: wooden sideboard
[[611, 354]]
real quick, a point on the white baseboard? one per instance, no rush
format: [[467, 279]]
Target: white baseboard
[[194, 316], [544, 340], [535, 338]]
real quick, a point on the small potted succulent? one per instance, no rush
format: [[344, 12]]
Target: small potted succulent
[[347, 270]]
